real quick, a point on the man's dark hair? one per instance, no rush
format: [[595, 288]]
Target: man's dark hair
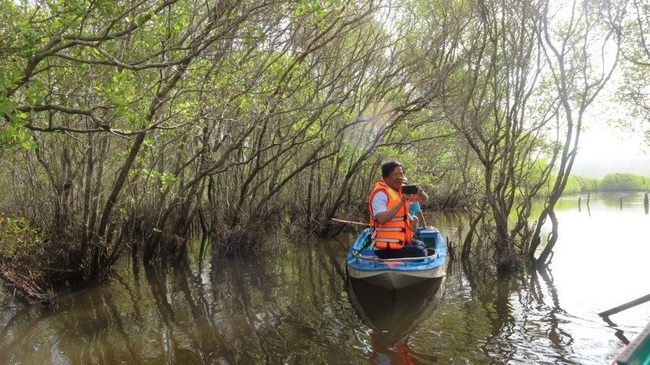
[[388, 167]]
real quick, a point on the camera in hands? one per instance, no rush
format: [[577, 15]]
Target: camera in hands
[[409, 189]]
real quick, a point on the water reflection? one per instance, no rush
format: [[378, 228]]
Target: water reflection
[[286, 307], [393, 316], [295, 306]]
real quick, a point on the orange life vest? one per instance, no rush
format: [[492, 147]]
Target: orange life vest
[[395, 233]]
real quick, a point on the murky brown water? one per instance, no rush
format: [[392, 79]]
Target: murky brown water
[[297, 307]]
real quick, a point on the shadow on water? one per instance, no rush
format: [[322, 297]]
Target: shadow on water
[[394, 315]]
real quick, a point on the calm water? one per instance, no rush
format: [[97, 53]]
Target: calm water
[[297, 307]]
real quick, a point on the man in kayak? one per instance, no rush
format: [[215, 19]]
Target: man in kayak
[[390, 223]]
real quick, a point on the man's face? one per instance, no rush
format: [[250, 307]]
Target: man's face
[[395, 179]]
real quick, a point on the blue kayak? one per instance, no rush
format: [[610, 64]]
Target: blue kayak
[[636, 352], [362, 263]]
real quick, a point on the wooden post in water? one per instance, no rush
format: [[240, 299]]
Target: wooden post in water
[[579, 206], [621, 202], [588, 197], [646, 204]]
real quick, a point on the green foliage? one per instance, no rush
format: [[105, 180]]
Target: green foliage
[[611, 182], [18, 240], [15, 132], [164, 179], [580, 184], [587, 184], [318, 10], [624, 182], [252, 109]]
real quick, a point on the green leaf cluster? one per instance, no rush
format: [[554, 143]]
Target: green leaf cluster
[[611, 183], [18, 240], [624, 182]]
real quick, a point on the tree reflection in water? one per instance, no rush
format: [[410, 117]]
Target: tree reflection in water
[[294, 305]]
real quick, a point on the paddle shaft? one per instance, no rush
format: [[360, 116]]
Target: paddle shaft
[[625, 306], [350, 222]]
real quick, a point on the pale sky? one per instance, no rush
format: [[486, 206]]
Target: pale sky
[[606, 142], [606, 150]]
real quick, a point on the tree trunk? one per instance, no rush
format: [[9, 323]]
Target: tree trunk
[[545, 256]]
